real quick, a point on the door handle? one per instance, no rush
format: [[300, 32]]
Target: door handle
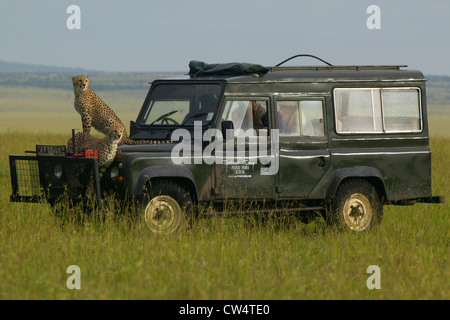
[[321, 162]]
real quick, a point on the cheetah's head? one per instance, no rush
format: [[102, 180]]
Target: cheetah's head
[[80, 83], [115, 134]]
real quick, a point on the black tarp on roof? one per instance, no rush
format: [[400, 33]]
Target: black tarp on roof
[[199, 68]]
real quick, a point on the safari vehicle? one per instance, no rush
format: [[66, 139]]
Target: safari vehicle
[[343, 140]]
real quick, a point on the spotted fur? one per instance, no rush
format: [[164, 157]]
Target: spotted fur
[[95, 113], [106, 147]]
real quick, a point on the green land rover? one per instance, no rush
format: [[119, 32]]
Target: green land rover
[[341, 140]]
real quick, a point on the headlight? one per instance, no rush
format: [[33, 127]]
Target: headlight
[[114, 173], [57, 171]]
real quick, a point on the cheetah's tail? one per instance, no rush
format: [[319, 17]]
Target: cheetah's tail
[[135, 142]]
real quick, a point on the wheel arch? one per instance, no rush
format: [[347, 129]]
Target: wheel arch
[[179, 175], [370, 174]]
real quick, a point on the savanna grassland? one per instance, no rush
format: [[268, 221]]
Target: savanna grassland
[[219, 257]]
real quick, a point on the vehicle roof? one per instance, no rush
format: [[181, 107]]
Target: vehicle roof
[[319, 74]]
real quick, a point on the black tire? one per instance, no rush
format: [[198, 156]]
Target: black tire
[[166, 207], [356, 206]]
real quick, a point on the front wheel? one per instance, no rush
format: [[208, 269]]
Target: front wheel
[[167, 207], [356, 206]]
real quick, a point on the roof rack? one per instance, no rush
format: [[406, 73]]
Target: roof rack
[[329, 66]]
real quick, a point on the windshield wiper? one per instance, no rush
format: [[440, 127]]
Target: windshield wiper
[[163, 117], [195, 115]]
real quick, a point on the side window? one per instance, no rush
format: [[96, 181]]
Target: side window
[[246, 114], [401, 108], [377, 110], [300, 118], [358, 111]]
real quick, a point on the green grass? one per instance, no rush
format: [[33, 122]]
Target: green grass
[[223, 258], [220, 257], [438, 125]]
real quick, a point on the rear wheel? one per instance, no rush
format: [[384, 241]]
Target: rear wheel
[[356, 206], [167, 207]]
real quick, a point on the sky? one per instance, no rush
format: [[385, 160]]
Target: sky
[[163, 36]]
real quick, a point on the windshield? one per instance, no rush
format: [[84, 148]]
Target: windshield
[[181, 104]]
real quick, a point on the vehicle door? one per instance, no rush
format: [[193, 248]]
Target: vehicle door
[[304, 154], [248, 168]]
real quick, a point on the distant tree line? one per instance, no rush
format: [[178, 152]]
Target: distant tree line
[[438, 81], [99, 81], [438, 86]]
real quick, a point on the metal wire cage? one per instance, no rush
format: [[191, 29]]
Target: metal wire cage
[[25, 178], [34, 179]]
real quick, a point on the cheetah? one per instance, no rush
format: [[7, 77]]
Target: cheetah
[[95, 113], [106, 147]]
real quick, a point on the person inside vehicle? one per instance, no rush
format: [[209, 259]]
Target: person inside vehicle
[[260, 116]]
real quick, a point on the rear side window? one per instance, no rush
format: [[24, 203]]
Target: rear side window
[[377, 110], [300, 118]]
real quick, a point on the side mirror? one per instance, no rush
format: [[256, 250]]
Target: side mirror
[[132, 124], [227, 127]]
